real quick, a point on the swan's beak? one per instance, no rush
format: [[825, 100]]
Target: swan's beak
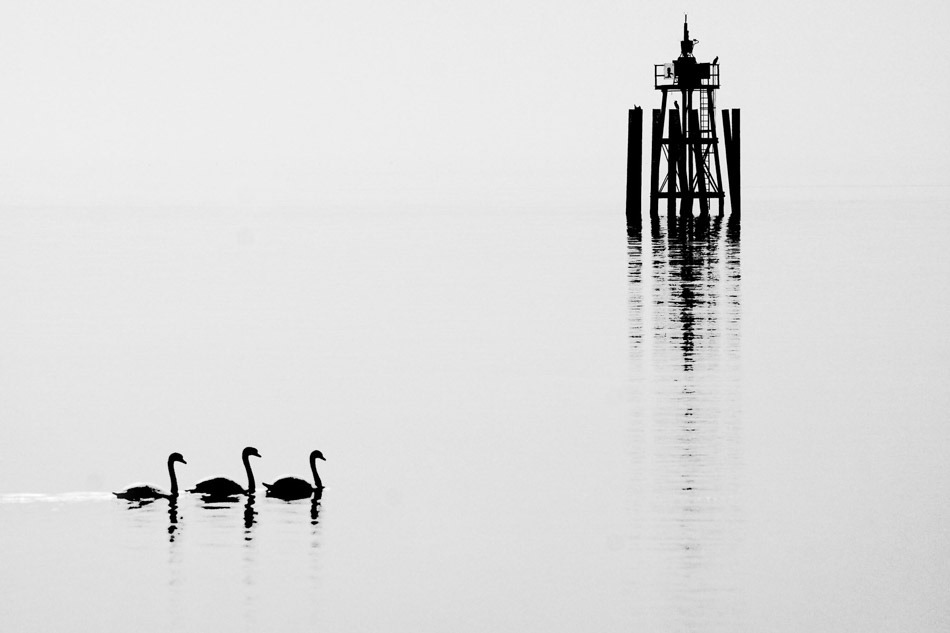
[[183, 461]]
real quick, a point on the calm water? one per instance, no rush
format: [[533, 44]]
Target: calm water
[[532, 421]]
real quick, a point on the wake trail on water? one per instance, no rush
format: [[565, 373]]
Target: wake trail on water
[[33, 497]]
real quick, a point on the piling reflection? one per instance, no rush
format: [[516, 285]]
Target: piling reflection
[[685, 343]]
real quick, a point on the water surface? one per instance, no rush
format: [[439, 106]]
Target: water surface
[[532, 421]]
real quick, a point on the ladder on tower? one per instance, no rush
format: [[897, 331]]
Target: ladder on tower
[[704, 114], [706, 132]]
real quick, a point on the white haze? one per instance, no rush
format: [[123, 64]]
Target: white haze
[[249, 103]]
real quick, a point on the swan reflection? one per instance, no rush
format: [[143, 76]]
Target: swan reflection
[[315, 507], [223, 506], [288, 514], [149, 517], [172, 518], [249, 518]]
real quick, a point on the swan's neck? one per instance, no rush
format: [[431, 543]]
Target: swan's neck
[[250, 474], [316, 477], [171, 475]]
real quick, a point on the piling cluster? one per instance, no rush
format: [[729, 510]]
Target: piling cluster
[[684, 157]]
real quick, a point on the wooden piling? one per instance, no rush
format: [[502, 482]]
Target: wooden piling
[[730, 124], [727, 142], [656, 142], [634, 167], [672, 156], [736, 145]]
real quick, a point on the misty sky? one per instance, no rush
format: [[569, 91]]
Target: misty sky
[[253, 103]]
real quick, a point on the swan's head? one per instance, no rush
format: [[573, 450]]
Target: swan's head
[[317, 455], [250, 451], [176, 457]]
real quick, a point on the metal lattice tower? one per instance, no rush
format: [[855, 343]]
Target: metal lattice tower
[[685, 148], [684, 157]]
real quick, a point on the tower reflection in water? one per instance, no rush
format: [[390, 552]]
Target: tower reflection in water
[[685, 308]]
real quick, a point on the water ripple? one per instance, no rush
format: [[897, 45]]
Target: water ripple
[[685, 317]]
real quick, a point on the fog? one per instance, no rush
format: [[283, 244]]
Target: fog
[[254, 104]]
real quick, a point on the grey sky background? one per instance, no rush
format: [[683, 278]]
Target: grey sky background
[[253, 103], [200, 330]]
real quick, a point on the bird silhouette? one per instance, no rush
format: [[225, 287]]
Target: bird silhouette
[[223, 487], [146, 492], [289, 488]]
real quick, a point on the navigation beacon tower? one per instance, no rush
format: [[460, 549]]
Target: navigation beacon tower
[[684, 160]]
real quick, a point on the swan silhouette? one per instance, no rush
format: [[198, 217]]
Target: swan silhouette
[[289, 488], [145, 492], [223, 487]]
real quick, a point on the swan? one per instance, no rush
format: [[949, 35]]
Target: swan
[[293, 488], [138, 493], [222, 487]]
